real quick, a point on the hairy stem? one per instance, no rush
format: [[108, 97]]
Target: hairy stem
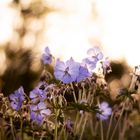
[[113, 133]]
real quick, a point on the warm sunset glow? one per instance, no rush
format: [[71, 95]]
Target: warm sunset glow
[[76, 24], [121, 36], [72, 28], [7, 16]]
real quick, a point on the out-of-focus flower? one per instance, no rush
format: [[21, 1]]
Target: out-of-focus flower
[[69, 125], [95, 53], [90, 62], [66, 72], [39, 112], [17, 98], [39, 93], [105, 111], [106, 64], [83, 73], [94, 56], [47, 57]]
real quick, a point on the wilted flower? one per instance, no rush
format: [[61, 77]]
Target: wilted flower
[[66, 72], [39, 112], [47, 57], [105, 111], [17, 98]]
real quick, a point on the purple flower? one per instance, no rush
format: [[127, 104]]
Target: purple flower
[[66, 72], [39, 112], [105, 111], [94, 56], [39, 93], [17, 98], [47, 57], [83, 73], [95, 53], [90, 62]]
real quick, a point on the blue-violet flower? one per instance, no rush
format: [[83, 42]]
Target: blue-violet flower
[[39, 93], [66, 72], [47, 57], [17, 98], [95, 55], [39, 112], [105, 111], [83, 73]]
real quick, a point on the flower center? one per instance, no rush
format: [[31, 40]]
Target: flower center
[[66, 70]]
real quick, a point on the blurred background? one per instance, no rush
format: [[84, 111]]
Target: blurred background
[[69, 28]]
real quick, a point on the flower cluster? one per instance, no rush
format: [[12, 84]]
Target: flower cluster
[[72, 96], [72, 71], [38, 107]]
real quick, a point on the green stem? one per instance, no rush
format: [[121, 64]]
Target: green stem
[[122, 132], [1, 130], [12, 129], [101, 123], [78, 126], [109, 127], [21, 129], [56, 127], [113, 133], [74, 97], [83, 127], [33, 138], [101, 129], [74, 93], [96, 128], [76, 121]]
